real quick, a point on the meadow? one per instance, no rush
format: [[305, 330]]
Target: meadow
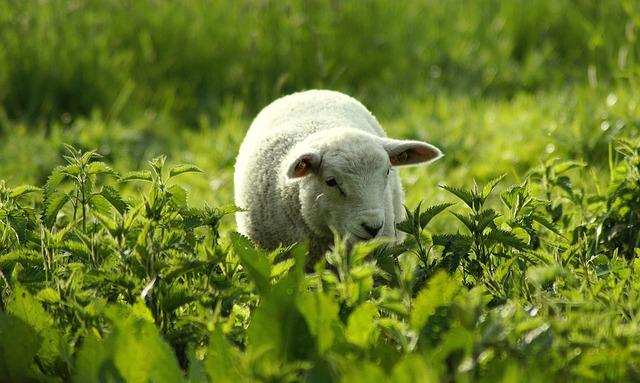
[[119, 126]]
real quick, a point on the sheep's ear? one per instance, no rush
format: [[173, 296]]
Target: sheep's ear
[[406, 152], [304, 164]]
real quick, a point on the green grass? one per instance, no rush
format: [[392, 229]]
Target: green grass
[[121, 263]]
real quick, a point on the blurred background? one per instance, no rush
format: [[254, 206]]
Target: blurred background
[[500, 85]]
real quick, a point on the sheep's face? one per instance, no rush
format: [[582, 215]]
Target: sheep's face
[[345, 179]]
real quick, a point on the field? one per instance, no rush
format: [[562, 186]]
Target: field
[[119, 126]]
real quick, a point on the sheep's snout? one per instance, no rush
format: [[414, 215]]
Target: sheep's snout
[[370, 223], [373, 231]]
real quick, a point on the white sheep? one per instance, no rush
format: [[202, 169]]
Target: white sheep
[[318, 160]]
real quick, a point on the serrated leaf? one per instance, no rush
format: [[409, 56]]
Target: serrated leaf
[[185, 168], [566, 166], [464, 195], [468, 223], [78, 249], [55, 178], [178, 195], [542, 220], [22, 190], [140, 175], [100, 168], [223, 362], [255, 262], [52, 204], [439, 291], [486, 217], [100, 204], [71, 170], [488, 188], [361, 324], [19, 344], [114, 198], [26, 257], [321, 315], [427, 215], [506, 238]]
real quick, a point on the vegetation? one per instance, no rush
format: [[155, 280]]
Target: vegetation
[[122, 264]]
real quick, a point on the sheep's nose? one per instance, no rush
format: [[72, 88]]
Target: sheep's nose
[[373, 231]]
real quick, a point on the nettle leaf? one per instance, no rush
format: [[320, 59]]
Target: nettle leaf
[[224, 363], [23, 190], [100, 204], [432, 211], [139, 175], [178, 195], [542, 220], [185, 168], [485, 218], [55, 178], [488, 188], [566, 166], [465, 195], [52, 204], [439, 291], [362, 324], [321, 314], [24, 306], [71, 170], [114, 198], [278, 332], [465, 220], [133, 352], [254, 262], [100, 168], [506, 238], [19, 344]]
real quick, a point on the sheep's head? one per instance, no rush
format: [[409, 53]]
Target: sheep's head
[[344, 177]]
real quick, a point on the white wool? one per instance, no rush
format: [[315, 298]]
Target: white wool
[[317, 160]]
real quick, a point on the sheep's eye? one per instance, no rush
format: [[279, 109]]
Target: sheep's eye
[[388, 171], [331, 182]]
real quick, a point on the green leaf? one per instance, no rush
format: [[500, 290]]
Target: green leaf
[[185, 168], [413, 368], [321, 314], [505, 238], [24, 306], [140, 175], [55, 178], [52, 204], [254, 262], [464, 195], [467, 221], [439, 291], [178, 195], [362, 324], [100, 204], [488, 188], [22, 190], [133, 352], [114, 198], [485, 218], [542, 220], [427, 215], [223, 362], [100, 168], [566, 166], [278, 332], [19, 344]]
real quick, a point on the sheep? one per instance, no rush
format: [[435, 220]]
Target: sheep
[[316, 161]]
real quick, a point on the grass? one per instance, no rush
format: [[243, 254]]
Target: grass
[[119, 260]]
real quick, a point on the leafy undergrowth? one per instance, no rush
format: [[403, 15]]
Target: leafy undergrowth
[[537, 282]]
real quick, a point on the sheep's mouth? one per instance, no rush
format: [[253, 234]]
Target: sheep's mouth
[[359, 238]]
